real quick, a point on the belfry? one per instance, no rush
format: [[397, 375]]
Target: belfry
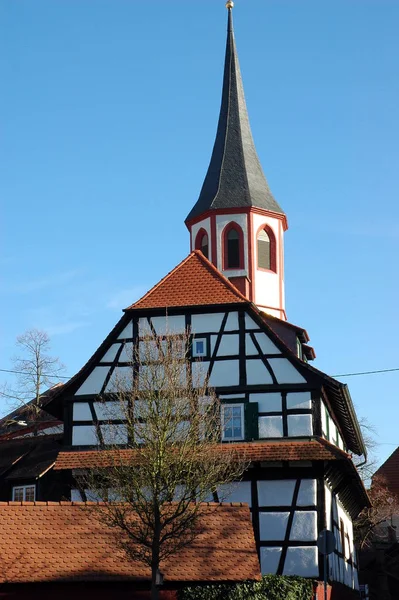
[[236, 221]]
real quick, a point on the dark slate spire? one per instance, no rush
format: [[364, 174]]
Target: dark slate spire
[[235, 177]]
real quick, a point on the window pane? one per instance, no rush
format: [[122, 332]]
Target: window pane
[[233, 249], [30, 494], [199, 347], [232, 422], [204, 245], [263, 247], [18, 495]]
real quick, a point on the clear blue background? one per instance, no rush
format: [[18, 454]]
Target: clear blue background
[[108, 115]]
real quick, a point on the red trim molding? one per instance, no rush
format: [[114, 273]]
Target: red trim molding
[[239, 211], [199, 237]]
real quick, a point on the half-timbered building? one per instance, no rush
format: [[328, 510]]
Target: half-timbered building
[[297, 424]]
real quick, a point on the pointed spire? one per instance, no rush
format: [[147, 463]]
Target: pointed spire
[[235, 178]]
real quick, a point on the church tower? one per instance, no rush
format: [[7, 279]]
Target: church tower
[[236, 222]]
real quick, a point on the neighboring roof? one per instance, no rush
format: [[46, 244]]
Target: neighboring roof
[[11, 424], [50, 541], [389, 470], [316, 449], [30, 457], [235, 177], [195, 281]]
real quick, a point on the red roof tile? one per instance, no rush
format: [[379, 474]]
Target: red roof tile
[[49, 541], [252, 451], [195, 281], [389, 471]]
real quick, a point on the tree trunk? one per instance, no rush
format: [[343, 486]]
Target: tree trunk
[[155, 554], [154, 587]]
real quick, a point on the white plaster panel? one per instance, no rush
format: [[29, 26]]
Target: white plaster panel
[[239, 491], [127, 332], [270, 427], [355, 579], [307, 493], [127, 353], [250, 348], [205, 224], [75, 496], [121, 379], [265, 343], [267, 284], [304, 526], [267, 402], [205, 323], [199, 370], [225, 373], [285, 372], [109, 411], [221, 222], [229, 345], [114, 434], [301, 561], [111, 353], [94, 382], [269, 560], [84, 435], [232, 322], [327, 496], [273, 525], [169, 325], [276, 492], [250, 323], [257, 373], [323, 418], [144, 328], [299, 400], [81, 412], [299, 425], [333, 432]]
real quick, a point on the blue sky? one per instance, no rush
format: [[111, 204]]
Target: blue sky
[[108, 115]]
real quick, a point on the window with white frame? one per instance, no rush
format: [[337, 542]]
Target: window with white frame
[[200, 347], [232, 422], [24, 493]]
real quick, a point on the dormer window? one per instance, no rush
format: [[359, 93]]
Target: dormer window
[[202, 242], [233, 257], [24, 493], [266, 249]]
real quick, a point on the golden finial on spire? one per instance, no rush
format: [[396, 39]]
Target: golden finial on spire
[[229, 4]]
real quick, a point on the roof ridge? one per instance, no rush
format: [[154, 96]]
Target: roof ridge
[[212, 270], [156, 286], [100, 503]]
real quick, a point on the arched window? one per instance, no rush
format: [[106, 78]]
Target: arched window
[[202, 242], [266, 249], [233, 257]]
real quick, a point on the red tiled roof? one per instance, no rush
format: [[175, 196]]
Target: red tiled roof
[[251, 451], [389, 471], [51, 541], [195, 281]]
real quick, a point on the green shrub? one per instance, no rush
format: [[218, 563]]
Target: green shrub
[[271, 587]]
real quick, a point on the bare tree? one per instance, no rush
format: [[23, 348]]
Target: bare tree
[[173, 459], [373, 523], [36, 370], [366, 468]]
